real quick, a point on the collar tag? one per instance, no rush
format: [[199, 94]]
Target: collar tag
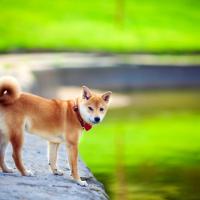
[[87, 126]]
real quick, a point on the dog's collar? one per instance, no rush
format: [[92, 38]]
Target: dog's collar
[[84, 124]]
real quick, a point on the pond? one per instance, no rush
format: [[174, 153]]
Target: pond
[[149, 150]]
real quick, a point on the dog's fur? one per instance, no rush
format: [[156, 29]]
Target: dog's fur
[[54, 120]]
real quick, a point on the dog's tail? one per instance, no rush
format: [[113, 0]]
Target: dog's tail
[[9, 90]]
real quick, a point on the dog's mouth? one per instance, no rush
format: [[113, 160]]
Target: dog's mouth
[[93, 122]]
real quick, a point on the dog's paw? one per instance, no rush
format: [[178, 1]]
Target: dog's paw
[[8, 170], [58, 172], [28, 173], [82, 183]]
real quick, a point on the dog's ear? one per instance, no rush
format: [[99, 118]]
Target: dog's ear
[[106, 96], [86, 93]]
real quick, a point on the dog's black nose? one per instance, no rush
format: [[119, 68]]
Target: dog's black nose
[[96, 119]]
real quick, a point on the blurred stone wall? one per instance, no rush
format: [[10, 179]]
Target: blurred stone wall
[[119, 78]]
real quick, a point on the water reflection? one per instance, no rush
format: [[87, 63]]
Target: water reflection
[[148, 182]]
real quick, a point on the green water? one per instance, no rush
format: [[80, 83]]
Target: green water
[[149, 150]]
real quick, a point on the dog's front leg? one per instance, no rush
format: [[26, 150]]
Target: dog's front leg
[[53, 151], [73, 161]]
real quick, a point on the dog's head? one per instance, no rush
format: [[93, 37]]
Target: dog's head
[[93, 107]]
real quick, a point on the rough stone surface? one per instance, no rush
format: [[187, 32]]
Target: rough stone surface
[[43, 184]]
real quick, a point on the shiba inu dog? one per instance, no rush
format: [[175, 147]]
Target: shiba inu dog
[[57, 121]]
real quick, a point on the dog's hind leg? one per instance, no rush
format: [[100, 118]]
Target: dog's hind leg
[[3, 145], [17, 142], [53, 151]]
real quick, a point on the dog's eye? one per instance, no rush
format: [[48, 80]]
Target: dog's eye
[[90, 108], [101, 109]]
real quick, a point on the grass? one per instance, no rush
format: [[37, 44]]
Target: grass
[[148, 152], [147, 25]]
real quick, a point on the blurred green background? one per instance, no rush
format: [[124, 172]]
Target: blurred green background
[[106, 25], [150, 148]]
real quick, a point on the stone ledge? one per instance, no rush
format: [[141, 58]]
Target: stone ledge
[[44, 185]]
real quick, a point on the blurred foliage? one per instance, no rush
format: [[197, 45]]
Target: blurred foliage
[[145, 25]]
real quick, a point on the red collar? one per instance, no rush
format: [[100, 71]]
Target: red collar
[[84, 124]]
